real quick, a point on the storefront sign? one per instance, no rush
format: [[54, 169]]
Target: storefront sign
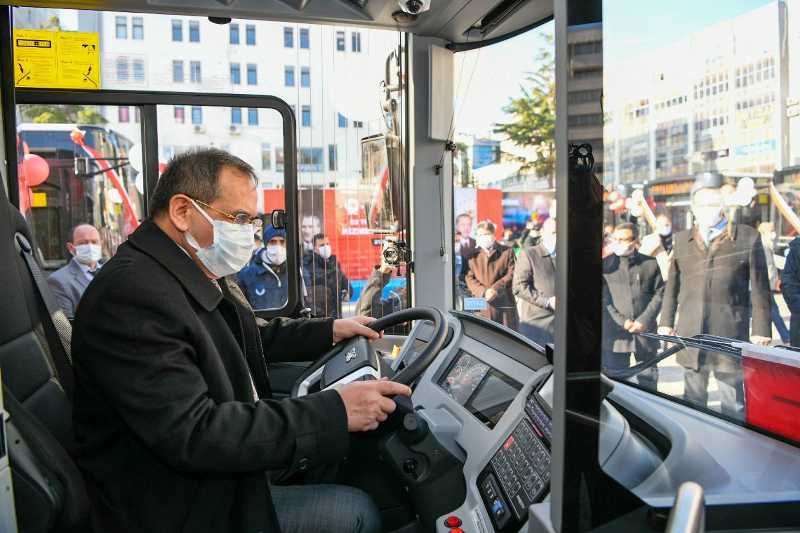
[[670, 189]]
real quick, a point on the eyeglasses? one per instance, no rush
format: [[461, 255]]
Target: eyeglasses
[[239, 218]]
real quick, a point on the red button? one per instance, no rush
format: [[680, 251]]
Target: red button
[[456, 530], [452, 521]]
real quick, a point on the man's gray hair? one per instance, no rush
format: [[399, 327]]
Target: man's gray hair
[[196, 174]]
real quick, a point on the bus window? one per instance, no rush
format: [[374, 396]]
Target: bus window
[[696, 129], [504, 189], [254, 135], [76, 168]]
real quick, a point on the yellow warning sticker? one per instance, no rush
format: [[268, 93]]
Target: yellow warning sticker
[[39, 199], [35, 58], [78, 56], [56, 59]]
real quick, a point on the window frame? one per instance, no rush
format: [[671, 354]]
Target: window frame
[[252, 68], [304, 38], [305, 77], [288, 76], [192, 77], [121, 22], [140, 26], [233, 30], [194, 31], [305, 116], [148, 102], [250, 29], [236, 116], [177, 30], [288, 37], [175, 64], [237, 69], [252, 112], [340, 42]]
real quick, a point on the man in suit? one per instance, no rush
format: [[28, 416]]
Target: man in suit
[[326, 281], [489, 274], [69, 281], [535, 286], [717, 283], [466, 245], [632, 292], [174, 421]]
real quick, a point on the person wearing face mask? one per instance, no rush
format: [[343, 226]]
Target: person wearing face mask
[[718, 285], [327, 285], [659, 244], [490, 270], [534, 286], [172, 390], [70, 281], [264, 280], [632, 292]]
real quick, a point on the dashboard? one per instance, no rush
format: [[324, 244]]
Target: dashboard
[[488, 400]]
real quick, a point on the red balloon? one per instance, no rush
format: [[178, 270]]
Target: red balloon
[[36, 170]]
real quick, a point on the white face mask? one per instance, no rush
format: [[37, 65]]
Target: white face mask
[[665, 231], [275, 254], [622, 249], [230, 250], [707, 216], [88, 253], [484, 241], [325, 251]]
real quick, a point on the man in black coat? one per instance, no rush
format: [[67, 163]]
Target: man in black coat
[[717, 283], [632, 293], [174, 422], [534, 287]]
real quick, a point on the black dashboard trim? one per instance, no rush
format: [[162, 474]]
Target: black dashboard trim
[[503, 340]]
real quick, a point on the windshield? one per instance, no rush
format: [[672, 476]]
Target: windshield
[[699, 278]]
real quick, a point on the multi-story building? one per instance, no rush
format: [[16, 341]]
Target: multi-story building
[[713, 101], [311, 67]]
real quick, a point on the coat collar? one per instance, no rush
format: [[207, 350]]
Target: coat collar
[[150, 240]]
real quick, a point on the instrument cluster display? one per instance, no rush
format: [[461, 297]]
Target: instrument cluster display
[[482, 390]]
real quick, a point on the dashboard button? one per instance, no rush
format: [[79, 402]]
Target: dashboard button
[[452, 521], [456, 530]]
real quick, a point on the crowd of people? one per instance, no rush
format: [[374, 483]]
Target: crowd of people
[[718, 278]]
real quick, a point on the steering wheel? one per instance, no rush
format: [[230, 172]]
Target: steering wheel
[[355, 359]]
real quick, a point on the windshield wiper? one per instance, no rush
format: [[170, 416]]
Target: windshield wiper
[[702, 342]]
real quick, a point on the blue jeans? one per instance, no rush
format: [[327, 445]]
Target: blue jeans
[[325, 509], [777, 319]]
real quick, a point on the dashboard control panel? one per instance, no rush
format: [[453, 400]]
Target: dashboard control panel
[[518, 474]]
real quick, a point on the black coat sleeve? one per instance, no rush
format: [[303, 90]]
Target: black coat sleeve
[[669, 305], [608, 304], [139, 346], [790, 280], [300, 339], [657, 283]]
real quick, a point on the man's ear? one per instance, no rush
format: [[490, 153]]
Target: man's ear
[[71, 248], [179, 212]]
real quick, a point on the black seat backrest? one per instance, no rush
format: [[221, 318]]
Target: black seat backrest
[[50, 494]]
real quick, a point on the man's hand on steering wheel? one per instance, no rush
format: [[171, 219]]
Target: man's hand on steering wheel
[[368, 403], [345, 328]]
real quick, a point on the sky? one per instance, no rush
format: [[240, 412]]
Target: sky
[[488, 77]]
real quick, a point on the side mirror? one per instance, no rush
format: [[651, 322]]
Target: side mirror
[[278, 219], [688, 515]]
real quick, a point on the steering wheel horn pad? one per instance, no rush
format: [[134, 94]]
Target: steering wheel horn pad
[[356, 359]]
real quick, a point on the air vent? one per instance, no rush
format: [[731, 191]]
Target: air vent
[[494, 18]]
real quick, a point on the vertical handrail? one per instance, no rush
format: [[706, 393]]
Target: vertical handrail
[[688, 515]]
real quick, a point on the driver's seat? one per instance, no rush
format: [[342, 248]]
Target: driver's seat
[[50, 493]]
